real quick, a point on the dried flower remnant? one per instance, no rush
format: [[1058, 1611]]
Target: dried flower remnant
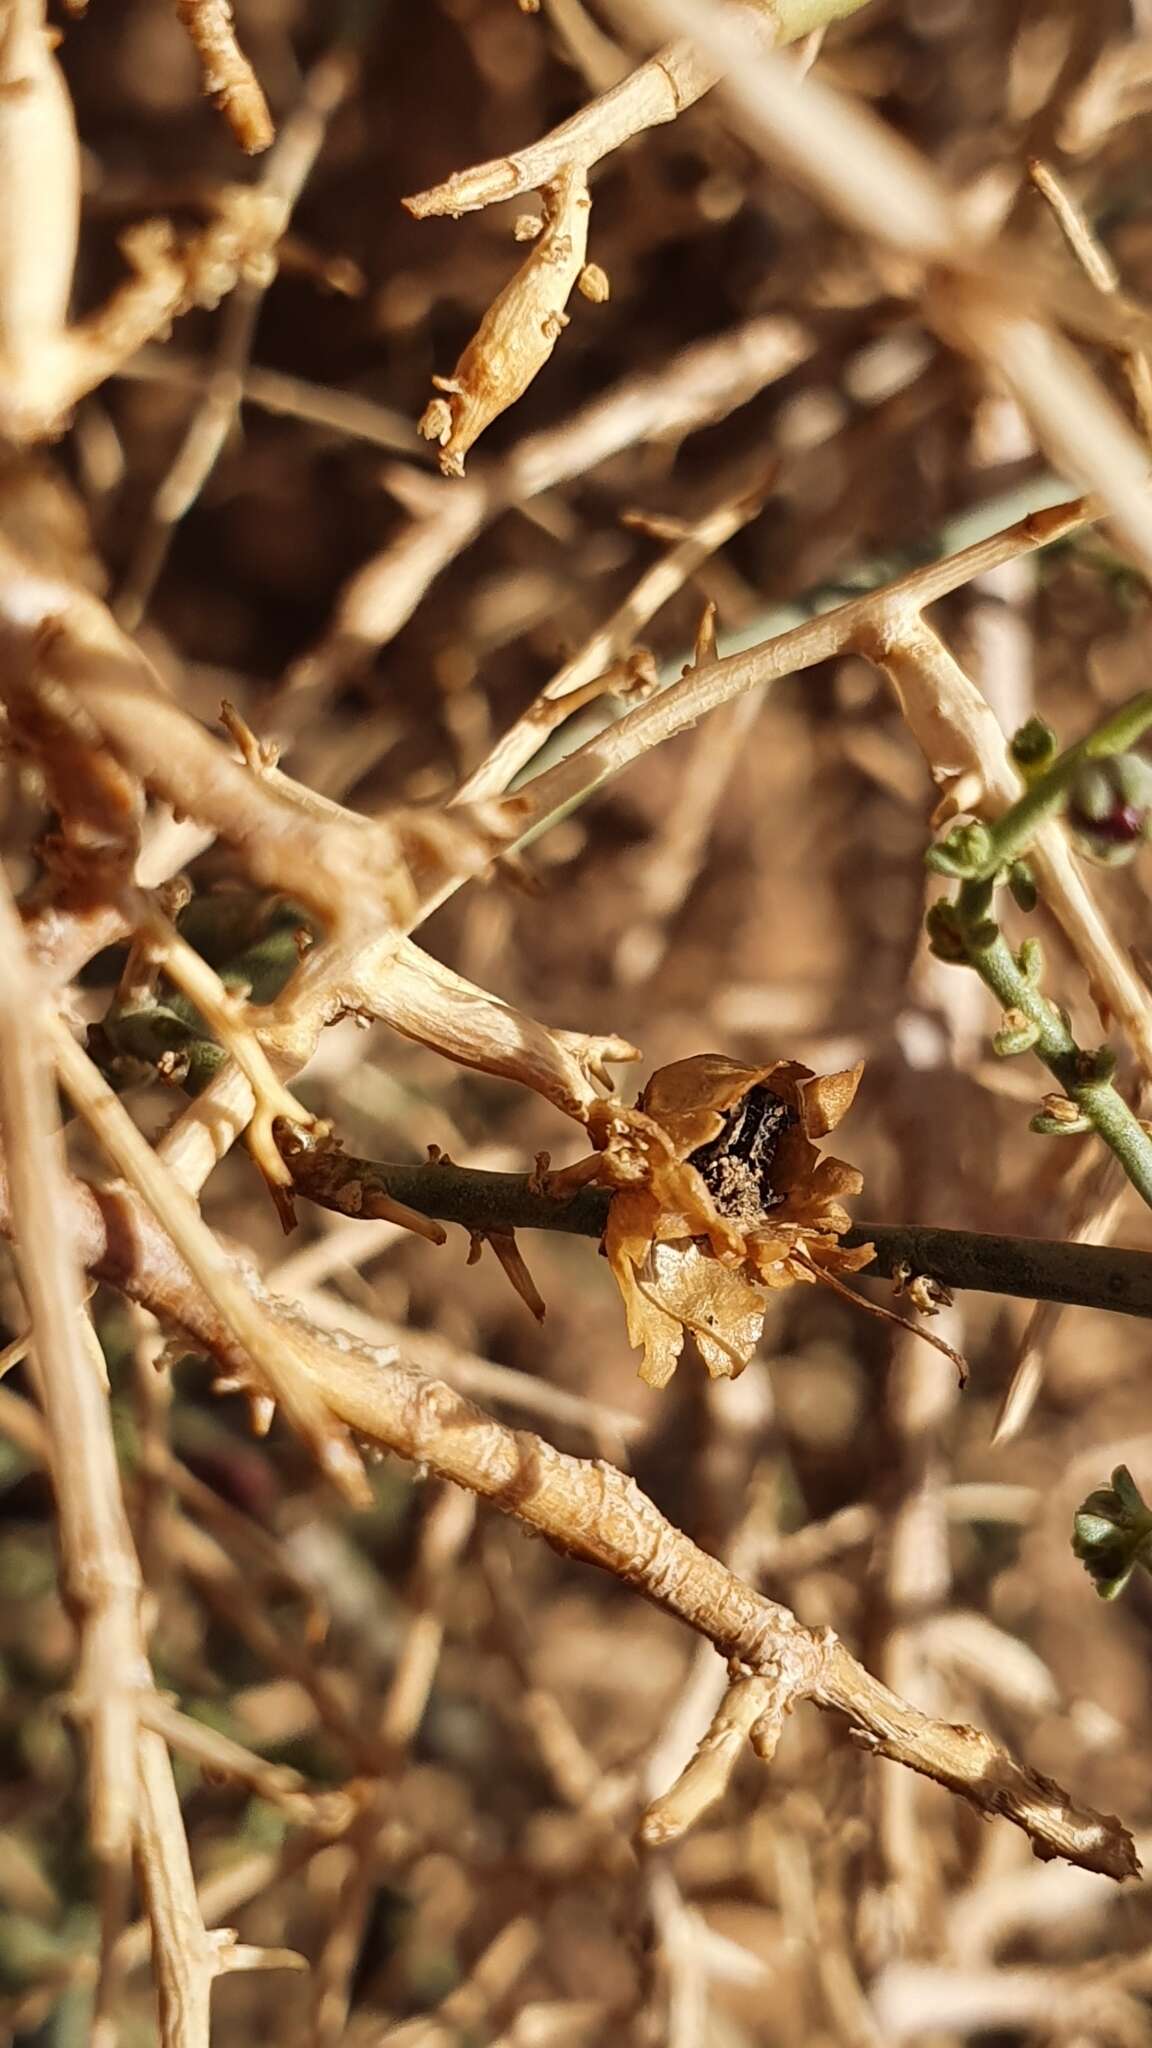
[[722, 1196], [521, 327]]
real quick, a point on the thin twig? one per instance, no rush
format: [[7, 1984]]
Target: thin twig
[[285, 174], [229, 79], [278, 1371], [100, 1571]]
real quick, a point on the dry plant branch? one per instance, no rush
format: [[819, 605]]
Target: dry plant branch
[[229, 79], [700, 384], [993, 302], [655, 93], [187, 1956], [521, 327], [1094, 1217], [59, 637], [344, 413], [285, 175], [270, 1371], [956, 729], [573, 684], [231, 1020], [680, 706], [99, 1569], [591, 1510], [1100, 269], [39, 193]]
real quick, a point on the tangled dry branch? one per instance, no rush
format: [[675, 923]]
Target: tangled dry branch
[[86, 709]]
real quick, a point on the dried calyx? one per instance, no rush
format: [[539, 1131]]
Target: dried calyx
[[722, 1196]]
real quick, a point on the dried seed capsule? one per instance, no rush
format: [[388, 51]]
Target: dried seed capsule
[[736, 1167]]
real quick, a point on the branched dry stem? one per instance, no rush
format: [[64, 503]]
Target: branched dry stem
[[277, 1374], [83, 703], [100, 1571], [521, 327]]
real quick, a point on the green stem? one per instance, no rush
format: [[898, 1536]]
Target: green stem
[[1013, 834], [1034, 1269], [1085, 1077]]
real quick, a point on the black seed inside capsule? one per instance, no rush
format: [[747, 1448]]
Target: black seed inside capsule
[[736, 1166]]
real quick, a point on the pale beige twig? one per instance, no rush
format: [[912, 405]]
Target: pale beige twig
[[656, 92], [610, 642], [39, 194], [186, 1956], [818, 639], [1095, 1213], [168, 277], [275, 1370], [425, 1000], [342, 412], [222, 1755], [610, 1430], [1099, 267], [752, 1709], [705, 382], [229, 1017], [100, 1571]]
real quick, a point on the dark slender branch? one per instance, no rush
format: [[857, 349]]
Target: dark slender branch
[[1036, 1269]]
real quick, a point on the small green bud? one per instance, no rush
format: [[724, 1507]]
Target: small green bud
[[1030, 961], [946, 932], [1097, 1067], [964, 853], [983, 936], [1112, 1534], [1022, 883], [1109, 809], [1045, 1125], [1033, 747]]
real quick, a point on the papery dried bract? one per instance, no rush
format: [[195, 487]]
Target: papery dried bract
[[680, 1263]]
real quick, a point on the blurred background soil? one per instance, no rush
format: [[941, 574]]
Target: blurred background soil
[[771, 908]]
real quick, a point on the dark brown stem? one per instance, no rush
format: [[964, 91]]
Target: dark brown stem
[[1034, 1268]]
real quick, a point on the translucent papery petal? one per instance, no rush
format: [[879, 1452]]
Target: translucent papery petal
[[717, 1303], [826, 1098]]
